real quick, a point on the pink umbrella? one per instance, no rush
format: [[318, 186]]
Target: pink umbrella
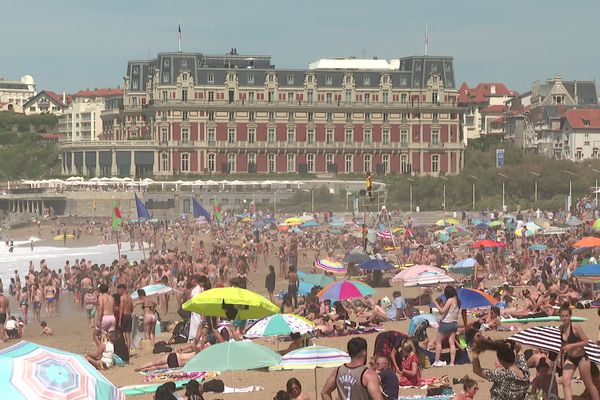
[[414, 271]]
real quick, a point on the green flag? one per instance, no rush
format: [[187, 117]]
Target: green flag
[[117, 220]]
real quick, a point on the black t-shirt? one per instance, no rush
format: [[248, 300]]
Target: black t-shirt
[[390, 383]]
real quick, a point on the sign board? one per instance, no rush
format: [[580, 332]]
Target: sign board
[[499, 158]]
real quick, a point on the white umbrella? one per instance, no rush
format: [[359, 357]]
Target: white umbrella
[[74, 178], [427, 279]]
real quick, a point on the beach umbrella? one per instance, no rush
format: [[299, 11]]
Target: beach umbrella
[[532, 226], [344, 290], [280, 324], [587, 273], [294, 221], [482, 225], [283, 228], [581, 250], [596, 225], [329, 265], [588, 241], [548, 338], [574, 221], [355, 258], [214, 303], [153, 290], [538, 247], [463, 267], [471, 298], [312, 357], [414, 271], [246, 219], [385, 235], [523, 231], [314, 279], [310, 224], [232, 356], [32, 371], [376, 264], [494, 224], [487, 243], [418, 319], [428, 279], [451, 229], [447, 221]]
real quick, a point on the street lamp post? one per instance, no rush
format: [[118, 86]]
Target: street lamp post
[[535, 186], [474, 179], [410, 193], [444, 192], [570, 199], [503, 190]]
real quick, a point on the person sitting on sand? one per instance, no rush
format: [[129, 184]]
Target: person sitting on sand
[[470, 388], [46, 330], [298, 341], [294, 389], [410, 374], [104, 356], [542, 380]]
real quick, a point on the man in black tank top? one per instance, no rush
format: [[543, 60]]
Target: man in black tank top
[[354, 380]]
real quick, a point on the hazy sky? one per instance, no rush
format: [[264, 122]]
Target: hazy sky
[[71, 45]]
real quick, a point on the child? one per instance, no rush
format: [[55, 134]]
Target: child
[[46, 330], [542, 380], [410, 374], [11, 328]]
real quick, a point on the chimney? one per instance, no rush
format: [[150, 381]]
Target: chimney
[[493, 89], [575, 94], [64, 98]]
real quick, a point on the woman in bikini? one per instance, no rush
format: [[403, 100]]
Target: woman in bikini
[[150, 317], [572, 355]]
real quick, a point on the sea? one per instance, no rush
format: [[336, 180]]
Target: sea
[[56, 256]]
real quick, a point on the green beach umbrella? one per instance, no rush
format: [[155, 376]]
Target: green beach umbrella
[[232, 356]]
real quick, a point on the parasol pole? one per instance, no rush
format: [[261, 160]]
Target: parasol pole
[[316, 388], [118, 245]]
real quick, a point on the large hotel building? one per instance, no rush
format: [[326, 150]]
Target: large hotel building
[[193, 113]]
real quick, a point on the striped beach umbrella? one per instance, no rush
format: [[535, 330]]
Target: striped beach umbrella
[[32, 371], [384, 235], [428, 279], [344, 290], [329, 265], [548, 338], [587, 273], [280, 324], [153, 290], [414, 271], [463, 267]]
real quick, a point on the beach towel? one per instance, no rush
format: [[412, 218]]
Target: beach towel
[[137, 390], [163, 375], [441, 397], [370, 329], [553, 318], [247, 389]]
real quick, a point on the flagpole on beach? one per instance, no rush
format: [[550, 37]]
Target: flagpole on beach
[[119, 244]]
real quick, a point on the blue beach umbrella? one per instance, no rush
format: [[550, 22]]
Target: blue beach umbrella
[[538, 247], [376, 264]]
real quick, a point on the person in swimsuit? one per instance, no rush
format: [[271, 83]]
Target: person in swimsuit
[[150, 318], [23, 299], [106, 310], [572, 355], [125, 313], [49, 294], [37, 302], [4, 310]]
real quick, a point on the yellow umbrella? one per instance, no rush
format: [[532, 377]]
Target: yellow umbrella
[[294, 221], [246, 219], [447, 221], [231, 303]]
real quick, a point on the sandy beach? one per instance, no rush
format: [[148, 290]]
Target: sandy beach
[[71, 332]]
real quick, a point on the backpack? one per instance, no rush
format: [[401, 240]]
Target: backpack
[[180, 333], [214, 385]]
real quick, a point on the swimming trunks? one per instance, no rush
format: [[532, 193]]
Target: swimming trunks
[[108, 323], [126, 322], [2, 318]]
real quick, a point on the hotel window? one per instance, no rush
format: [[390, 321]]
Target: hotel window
[[211, 115], [348, 117], [404, 165], [329, 162], [367, 136], [231, 116], [211, 162], [311, 116], [348, 79], [185, 162], [271, 78], [348, 163], [310, 79], [367, 118], [291, 162], [403, 98], [211, 96], [231, 163], [252, 116], [271, 163], [165, 95], [367, 98], [211, 78], [385, 136], [231, 135], [385, 98], [291, 116], [251, 79], [165, 161], [185, 116], [291, 135], [310, 163], [434, 98], [251, 97], [271, 116], [329, 136], [367, 163], [435, 136], [404, 117], [385, 160], [271, 96], [252, 160], [290, 79], [348, 136], [367, 80], [435, 117], [185, 135], [184, 95], [309, 96], [404, 136], [251, 135], [329, 98], [310, 136], [329, 117], [348, 97], [435, 163], [328, 80], [386, 118], [163, 115], [164, 134], [385, 79], [290, 97], [271, 135], [211, 136]]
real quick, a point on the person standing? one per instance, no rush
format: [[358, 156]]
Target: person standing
[[50, 296], [106, 310], [195, 319], [293, 283], [4, 313], [354, 381], [270, 282], [448, 325], [125, 314]]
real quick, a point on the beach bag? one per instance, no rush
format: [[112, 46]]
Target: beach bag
[[161, 347], [180, 332], [214, 385], [121, 348]]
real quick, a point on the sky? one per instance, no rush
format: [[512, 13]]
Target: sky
[[68, 45]]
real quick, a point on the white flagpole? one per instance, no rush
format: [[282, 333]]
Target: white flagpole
[[426, 39], [179, 36]]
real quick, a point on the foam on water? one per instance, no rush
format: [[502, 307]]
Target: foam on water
[[56, 256]]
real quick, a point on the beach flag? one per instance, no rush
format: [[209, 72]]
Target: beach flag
[[117, 219], [142, 211], [200, 211], [217, 213]]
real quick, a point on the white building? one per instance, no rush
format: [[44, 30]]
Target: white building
[[81, 120], [13, 94], [581, 134], [47, 102]]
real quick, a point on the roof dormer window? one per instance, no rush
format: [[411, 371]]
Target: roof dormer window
[[586, 122]]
